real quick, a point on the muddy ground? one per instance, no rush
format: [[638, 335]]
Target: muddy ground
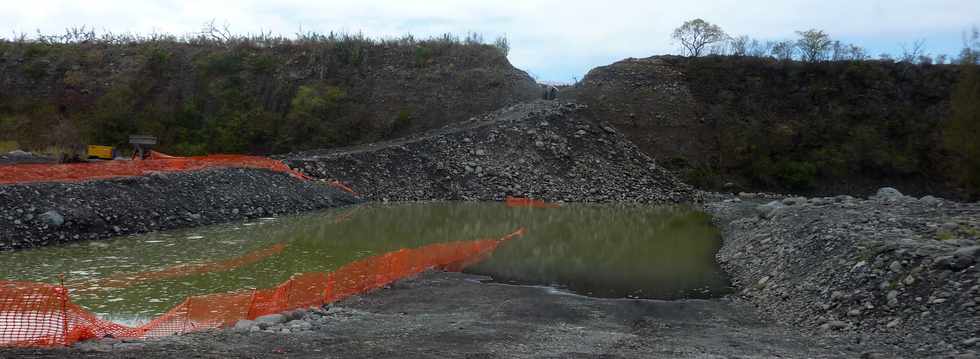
[[451, 315]]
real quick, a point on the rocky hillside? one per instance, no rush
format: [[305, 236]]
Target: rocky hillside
[[762, 124], [543, 149], [248, 95], [891, 267]]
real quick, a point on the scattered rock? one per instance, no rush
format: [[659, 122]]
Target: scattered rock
[[52, 218], [888, 193], [271, 319], [244, 325], [834, 325], [892, 297], [931, 201], [128, 346], [769, 210]]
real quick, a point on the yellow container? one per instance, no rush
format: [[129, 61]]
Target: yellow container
[[103, 152]]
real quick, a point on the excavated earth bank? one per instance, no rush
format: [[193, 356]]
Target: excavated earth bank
[[39, 214]]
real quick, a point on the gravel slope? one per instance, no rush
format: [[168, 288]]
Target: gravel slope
[[897, 270], [44, 213], [544, 149]]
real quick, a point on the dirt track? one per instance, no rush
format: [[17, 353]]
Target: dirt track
[[448, 315]]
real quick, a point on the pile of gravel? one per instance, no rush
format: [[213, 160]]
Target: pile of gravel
[[892, 267], [542, 149], [44, 213]]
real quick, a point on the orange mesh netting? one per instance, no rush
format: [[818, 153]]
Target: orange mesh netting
[[343, 187], [157, 162], [514, 202], [39, 314]]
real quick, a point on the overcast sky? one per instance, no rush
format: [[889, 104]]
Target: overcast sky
[[555, 40]]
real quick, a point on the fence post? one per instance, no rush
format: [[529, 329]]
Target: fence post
[[63, 292], [249, 312]]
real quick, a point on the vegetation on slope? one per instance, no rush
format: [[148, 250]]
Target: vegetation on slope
[[962, 131], [218, 92], [809, 116]]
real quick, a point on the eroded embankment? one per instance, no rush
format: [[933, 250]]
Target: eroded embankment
[[895, 269], [44, 213], [546, 150]]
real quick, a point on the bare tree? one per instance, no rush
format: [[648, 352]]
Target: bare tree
[[837, 51], [696, 34], [971, 47], [857, 53], [814, 45], [221, 34], [740, 45], [847, 52], [760, 49], [502, 44], [912, 53], [784, 50]]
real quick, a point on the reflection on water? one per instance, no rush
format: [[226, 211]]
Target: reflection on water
[[600, 250]]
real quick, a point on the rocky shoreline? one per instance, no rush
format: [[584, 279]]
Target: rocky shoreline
[[39, 214], [896, 270]]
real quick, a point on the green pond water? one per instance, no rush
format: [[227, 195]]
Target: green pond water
[[596, 250]]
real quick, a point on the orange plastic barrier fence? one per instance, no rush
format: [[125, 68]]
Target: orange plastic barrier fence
[[343, 187], [514, 202], [157, 162], [38, 314], [183, 270]]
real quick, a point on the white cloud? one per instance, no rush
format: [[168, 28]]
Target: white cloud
[[555, 39]]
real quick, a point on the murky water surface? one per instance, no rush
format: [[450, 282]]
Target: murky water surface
[[598, 250]]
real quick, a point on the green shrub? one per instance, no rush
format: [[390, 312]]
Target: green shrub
[[703, 176], [7, 146], [36, 70], [423, 55], [262, 64], [402, 122], [796, 175], [218, 64], [313, 118]]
